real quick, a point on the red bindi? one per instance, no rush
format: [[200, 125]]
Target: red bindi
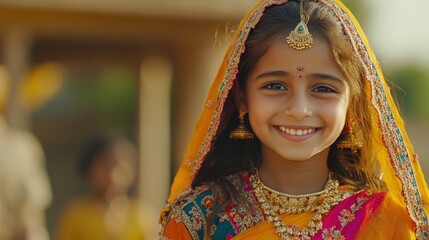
[[300, 70]]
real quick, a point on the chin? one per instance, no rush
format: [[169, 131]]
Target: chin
[[300, 157], [296, 158]]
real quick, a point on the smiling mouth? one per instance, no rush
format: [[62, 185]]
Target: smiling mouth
[[297, 132]]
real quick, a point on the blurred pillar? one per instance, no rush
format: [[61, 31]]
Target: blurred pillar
[[17, 45], [156, 78], [198, 65]]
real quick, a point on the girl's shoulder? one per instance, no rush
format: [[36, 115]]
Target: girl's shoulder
[[386, 217], [392, 208], [195, 205], [185, 217], [384, 202], [374, 202], [208, 196], [204, 197]]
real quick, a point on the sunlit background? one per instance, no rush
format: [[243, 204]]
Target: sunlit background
[[142, 68]]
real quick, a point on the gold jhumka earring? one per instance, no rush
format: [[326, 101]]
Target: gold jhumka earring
[[300, 38], [241, 132], [350, 141]]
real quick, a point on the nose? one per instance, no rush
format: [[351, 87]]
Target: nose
[[298, 105]]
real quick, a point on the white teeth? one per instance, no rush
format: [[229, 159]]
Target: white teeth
[[297, 132]]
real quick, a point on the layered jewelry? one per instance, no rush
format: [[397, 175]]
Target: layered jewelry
[[275, 203], [241, 132], [300, 38], [350, 140]]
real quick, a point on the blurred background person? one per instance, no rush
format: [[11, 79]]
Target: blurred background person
[[25, 190], [106, 212]]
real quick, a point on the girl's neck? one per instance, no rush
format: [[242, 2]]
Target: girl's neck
[[295, 177]]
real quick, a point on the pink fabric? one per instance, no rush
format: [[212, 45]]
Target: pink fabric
[[346, 219]]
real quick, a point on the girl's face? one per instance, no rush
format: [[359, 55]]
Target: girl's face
[[111, 172], [100, 171], [297, 101]]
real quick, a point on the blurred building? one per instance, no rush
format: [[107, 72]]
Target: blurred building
[[138, 68]]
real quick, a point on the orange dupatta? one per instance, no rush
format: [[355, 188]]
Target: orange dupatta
[[401, 170]]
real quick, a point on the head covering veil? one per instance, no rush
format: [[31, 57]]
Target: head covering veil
[[401, 170]]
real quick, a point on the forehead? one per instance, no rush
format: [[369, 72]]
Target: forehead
[[280, 56]]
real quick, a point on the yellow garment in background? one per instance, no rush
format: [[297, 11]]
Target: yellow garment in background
[[86, 219]]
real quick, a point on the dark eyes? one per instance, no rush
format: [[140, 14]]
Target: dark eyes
[[324, 89], [278, 86], [275, 86]]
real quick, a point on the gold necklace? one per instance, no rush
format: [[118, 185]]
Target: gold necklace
[[287, 203], [274, 204]]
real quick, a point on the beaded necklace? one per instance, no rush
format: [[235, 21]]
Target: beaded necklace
[[275, 203]]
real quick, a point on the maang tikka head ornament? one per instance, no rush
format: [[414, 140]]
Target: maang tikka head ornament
[[300, 38]]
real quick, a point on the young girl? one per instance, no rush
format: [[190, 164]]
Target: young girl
[[299, 138], [106, 212]]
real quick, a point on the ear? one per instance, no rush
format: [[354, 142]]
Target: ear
[[240, 97]]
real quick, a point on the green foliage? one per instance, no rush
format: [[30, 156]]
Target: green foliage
[[414, 97], [106, 95], [353, 5], [357, 8], [116, 93]]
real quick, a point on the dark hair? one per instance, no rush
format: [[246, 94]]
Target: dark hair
[[228, 156], [91, 150]]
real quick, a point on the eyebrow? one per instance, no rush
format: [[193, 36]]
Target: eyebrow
[[273, 74], [285, 74], [326, 76]]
